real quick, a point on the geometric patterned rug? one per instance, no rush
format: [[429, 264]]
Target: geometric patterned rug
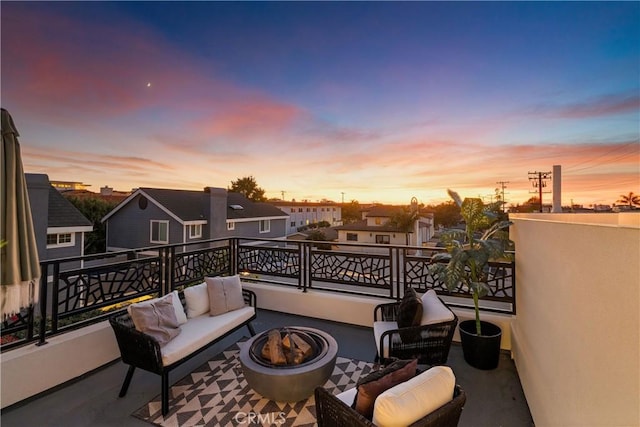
[[216, 394]]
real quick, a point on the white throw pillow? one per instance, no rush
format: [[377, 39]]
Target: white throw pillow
[[177, 306], [411, 400], [433, 310], [197, 300]]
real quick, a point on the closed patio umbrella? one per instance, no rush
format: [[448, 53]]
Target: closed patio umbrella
[[20, 267]]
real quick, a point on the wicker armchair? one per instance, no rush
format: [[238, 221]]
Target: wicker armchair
[[430, 343], [333, 412]]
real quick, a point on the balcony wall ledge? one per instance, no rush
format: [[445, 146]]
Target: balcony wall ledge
[[352, 309], [30, 370]]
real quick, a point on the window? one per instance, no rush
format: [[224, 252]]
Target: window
[[293, 223], [231, 226], [378, 221], [265, 225], [308, 209], [299, 209], [159, 231], [60, 240], [293, 210], [383, 239], [352, 237], [314, 209], [195, 231]]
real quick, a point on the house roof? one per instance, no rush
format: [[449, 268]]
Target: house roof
[[384, 211], [250, 209], [190, 205], [62, 213], [187, 205]]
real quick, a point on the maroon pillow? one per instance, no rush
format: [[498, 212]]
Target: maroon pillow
[[371, 386]]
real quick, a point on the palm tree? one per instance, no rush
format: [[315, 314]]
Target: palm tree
[[405, 221], [630, 200]]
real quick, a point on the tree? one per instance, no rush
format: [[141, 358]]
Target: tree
[[445, 214], [630, 200], [94, 209], [351, 212], [404, 221], [319, 236], [249, 188]]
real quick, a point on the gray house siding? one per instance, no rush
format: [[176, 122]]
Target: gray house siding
[[128, 225], [52, 213], [130, 228], [38, 189]]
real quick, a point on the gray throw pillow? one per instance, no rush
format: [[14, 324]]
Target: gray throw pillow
[[157, 319], [225, 294]]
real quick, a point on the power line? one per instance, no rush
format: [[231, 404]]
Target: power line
[[503, 185], [539, 181]]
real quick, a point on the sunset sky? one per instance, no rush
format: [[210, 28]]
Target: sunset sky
[[379, 101]]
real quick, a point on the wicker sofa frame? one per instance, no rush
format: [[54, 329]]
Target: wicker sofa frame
[[333, 412], [431, 345], [139, 350]]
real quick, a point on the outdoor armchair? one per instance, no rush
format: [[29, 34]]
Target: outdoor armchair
[[429, 341]]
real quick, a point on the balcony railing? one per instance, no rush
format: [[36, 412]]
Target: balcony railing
[[78, 291]]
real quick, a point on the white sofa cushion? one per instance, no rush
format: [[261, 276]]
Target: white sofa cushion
[[433, 310], [197, 300], [177, 306], [201, 330], [380, 328], [413, 399]]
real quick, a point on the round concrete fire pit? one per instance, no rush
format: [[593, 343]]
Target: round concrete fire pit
[[289, 383]]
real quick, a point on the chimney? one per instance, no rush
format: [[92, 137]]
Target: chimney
[[217, 220], [557, 189]]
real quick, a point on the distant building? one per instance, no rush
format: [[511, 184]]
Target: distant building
[[375, 228], [69, 185], [306, 213], [59, 226], [155, 216]]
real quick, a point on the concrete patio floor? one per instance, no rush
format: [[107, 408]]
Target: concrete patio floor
[[494, 398]]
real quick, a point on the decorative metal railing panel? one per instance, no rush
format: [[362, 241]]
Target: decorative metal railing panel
[[96, 287], [361, 269], [17, 329], [195, 265], [275, 261], [74, 298], [500, 279]]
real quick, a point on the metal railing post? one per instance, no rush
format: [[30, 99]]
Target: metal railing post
[[44, 273]]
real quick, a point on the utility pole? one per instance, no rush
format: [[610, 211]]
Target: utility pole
[[282, 192], [539, 181], [503, 185]]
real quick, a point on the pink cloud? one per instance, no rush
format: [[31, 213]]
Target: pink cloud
[[249, 118], [596, 107]]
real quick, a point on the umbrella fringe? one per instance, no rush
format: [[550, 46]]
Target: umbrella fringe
[[18, 296]]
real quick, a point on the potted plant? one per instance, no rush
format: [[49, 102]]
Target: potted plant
[[466, 263]]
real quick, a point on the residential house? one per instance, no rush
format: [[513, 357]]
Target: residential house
[[305, 213], [155, 216], [59, 226], [375, 228]]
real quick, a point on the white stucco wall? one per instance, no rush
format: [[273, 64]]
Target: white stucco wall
[[32, 369], [576, 334]]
